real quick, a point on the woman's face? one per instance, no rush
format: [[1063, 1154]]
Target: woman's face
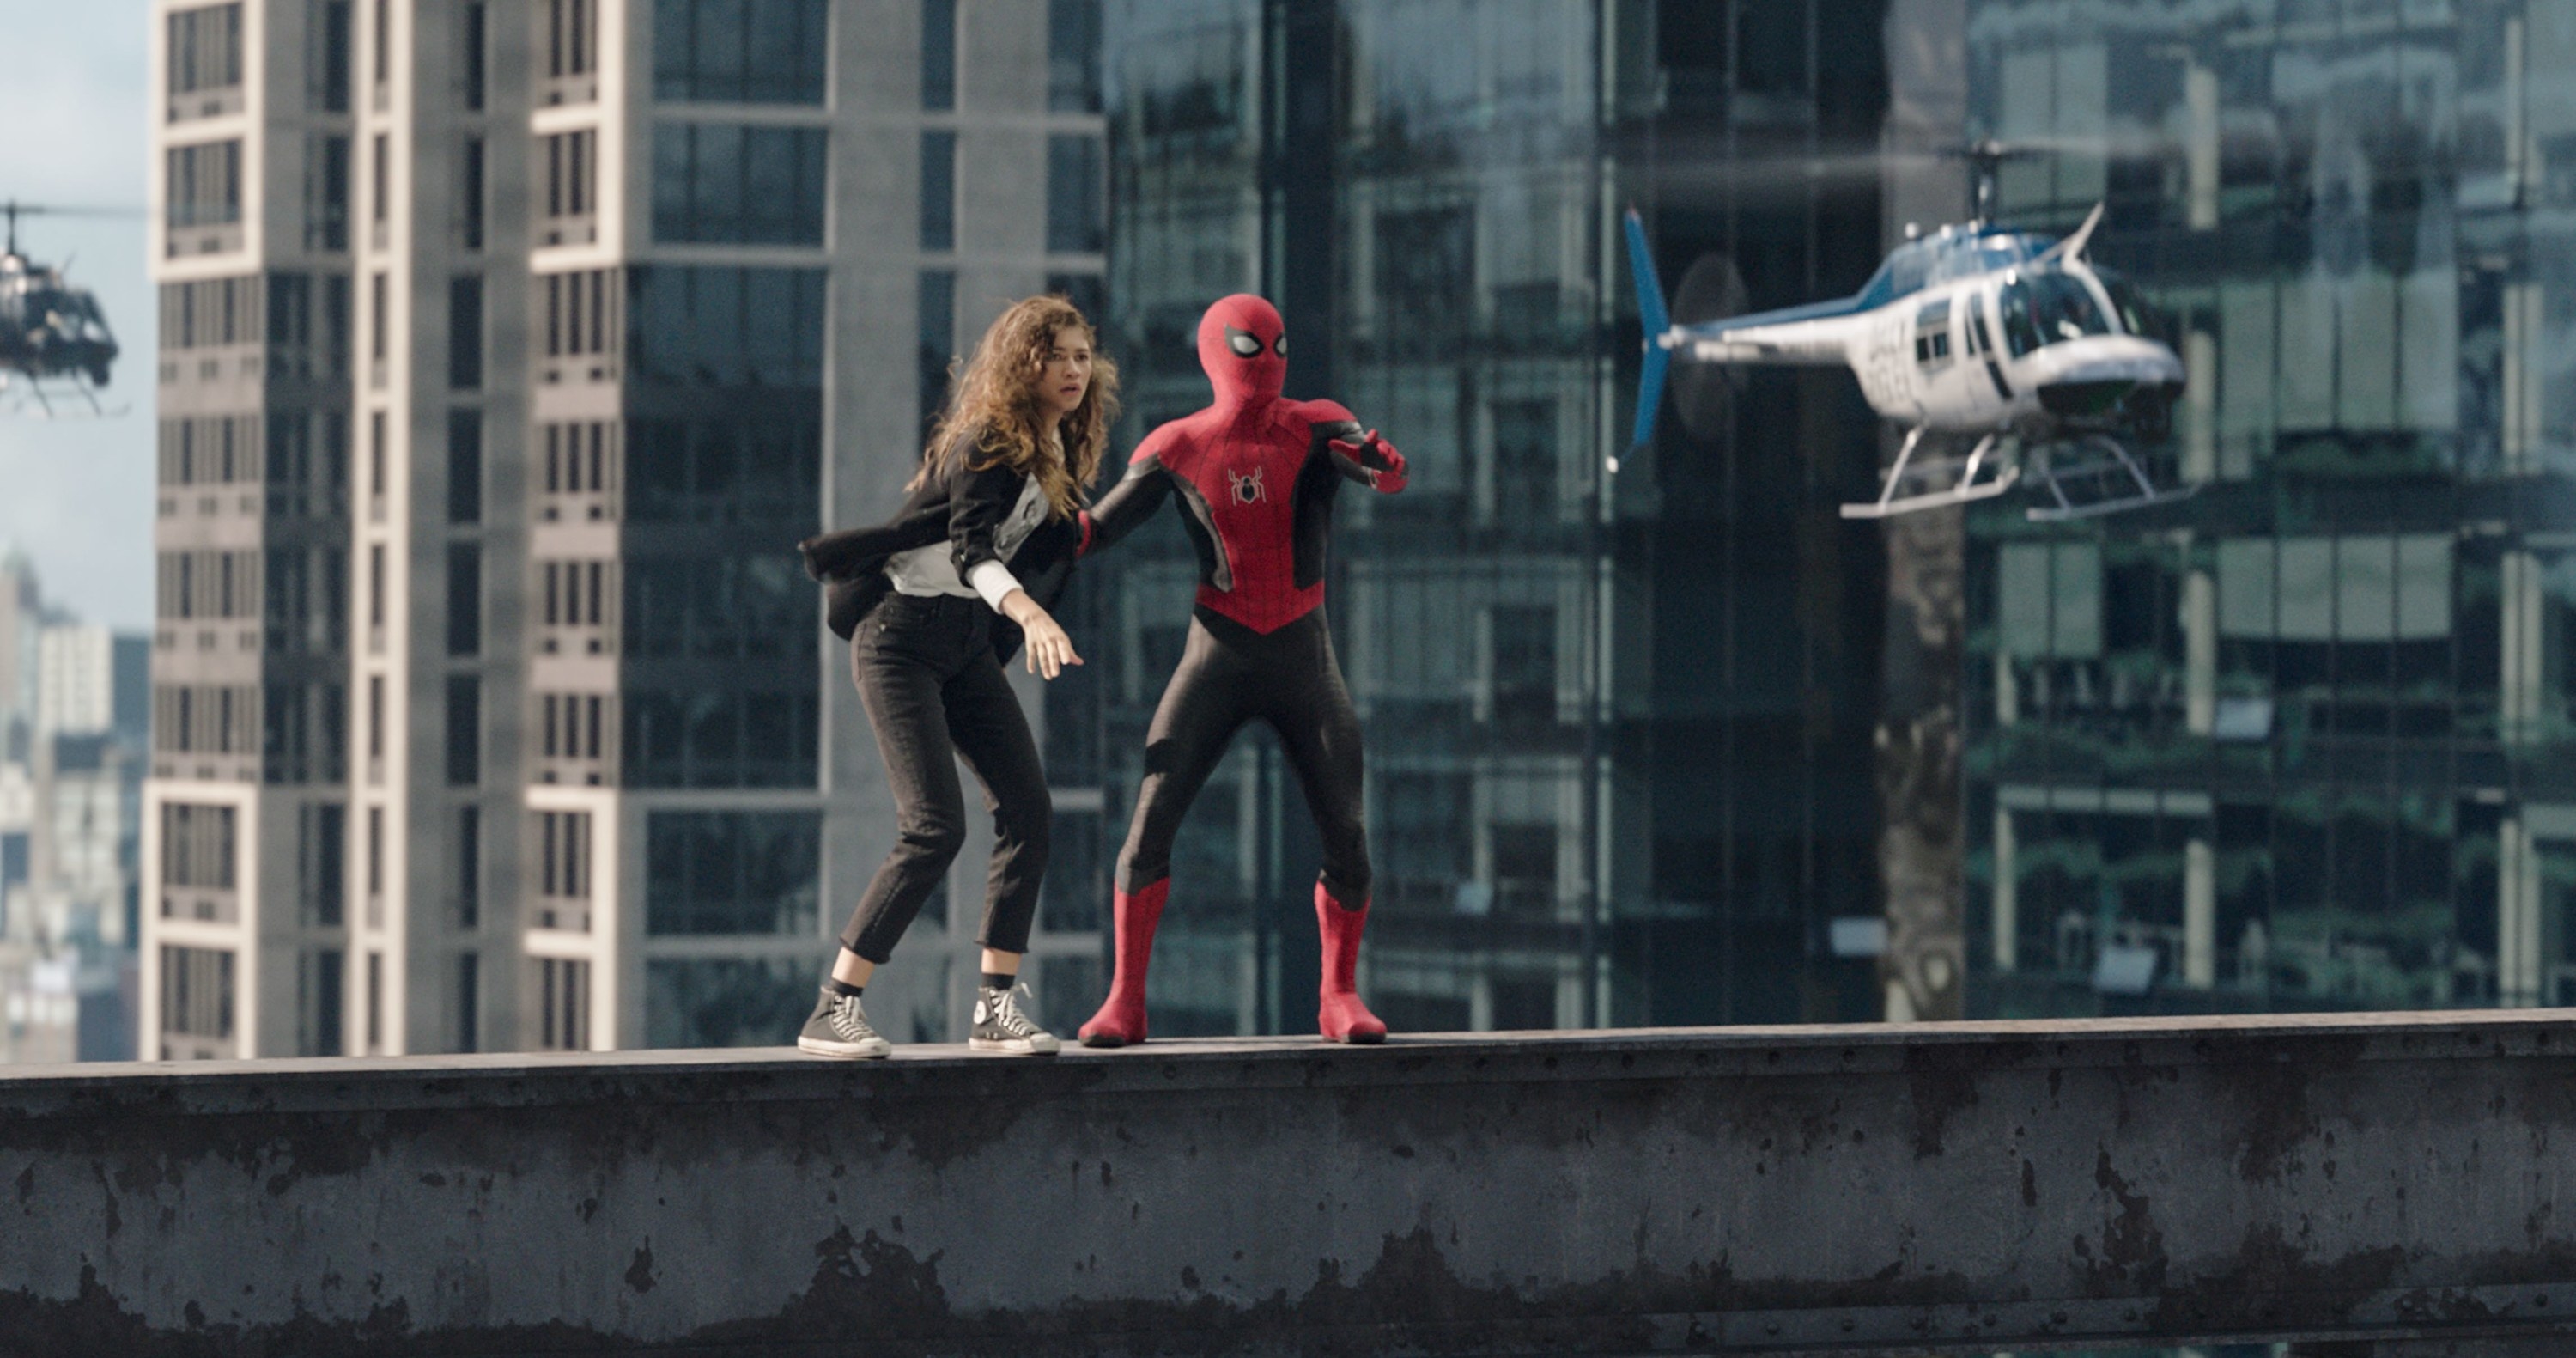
[[1065, 378]]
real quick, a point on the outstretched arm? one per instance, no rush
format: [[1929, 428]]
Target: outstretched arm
[[1129, 503]]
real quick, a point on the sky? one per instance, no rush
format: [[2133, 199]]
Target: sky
[[76, 495]]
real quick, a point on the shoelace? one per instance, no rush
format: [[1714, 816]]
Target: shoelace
[[1006, 1013], [848, 1020]]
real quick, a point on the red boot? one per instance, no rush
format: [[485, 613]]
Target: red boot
[[1121, 1019], [1340, 1016]]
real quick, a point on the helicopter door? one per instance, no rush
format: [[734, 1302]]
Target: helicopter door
[[1981, 343]]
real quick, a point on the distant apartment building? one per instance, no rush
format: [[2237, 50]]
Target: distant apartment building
[[69, 786], [508, 347]]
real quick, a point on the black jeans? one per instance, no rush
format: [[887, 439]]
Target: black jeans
[[1229, 675], [935, 694]]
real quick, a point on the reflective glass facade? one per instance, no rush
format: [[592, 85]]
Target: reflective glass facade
[[1618, 723], [2304, 740]]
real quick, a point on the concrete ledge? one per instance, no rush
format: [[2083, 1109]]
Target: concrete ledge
[[1935, 1188]]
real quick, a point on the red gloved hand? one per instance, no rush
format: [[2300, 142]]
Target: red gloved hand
[[1378, 458]]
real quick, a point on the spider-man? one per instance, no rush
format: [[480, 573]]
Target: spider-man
[[1257, 473]]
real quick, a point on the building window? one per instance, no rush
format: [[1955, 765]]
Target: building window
[[375, 1002], [322, 861], [720, 326], [574, 592], [723, 1002], [683, 737], [464, 598], [378, 323], [938, 190], [464, 730], [205, 49], [1075, 189], [197, 992], [375, 731], [577, 319], [571, 35], [740, 51], [477, 56], [320, 980], [563, 855], [469, 192], [757, 469], [938, 55], [469, 1002], [204, 185], [380, 183], [569, 725], [1073, 56], [329, 91], [571, 166], [375, 852], [725, 183], [465, 466], [469, 867], [465, 332], [1426, 276], [383, 36], [712, 606], [197, 846], [563, 1004], [935, 323], [731, 872], [326, 193]]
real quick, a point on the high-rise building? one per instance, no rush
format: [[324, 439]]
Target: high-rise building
[[1618, 708], [75, 678], [70, 786], [2302, 741], [509, 347]]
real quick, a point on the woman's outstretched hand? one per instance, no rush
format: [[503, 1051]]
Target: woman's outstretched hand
[[1049, 649]]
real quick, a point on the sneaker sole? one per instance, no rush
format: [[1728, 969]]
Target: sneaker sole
[[995, 1044], [845, 1050]]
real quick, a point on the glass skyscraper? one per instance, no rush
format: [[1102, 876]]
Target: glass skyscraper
[[1618, 714], [2304, 740]]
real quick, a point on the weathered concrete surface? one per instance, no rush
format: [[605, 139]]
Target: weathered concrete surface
[[1952, 1188]]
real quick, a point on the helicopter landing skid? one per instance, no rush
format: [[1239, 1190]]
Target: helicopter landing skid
[[1966, 489], [23, 395], [2106, 479]]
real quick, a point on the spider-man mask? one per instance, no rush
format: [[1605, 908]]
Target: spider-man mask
[[1244, 347]]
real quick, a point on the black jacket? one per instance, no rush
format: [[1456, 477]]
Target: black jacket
[[966, 507]]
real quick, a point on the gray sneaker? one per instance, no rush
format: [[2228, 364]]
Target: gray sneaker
[[1001, 1027], [840, 1028]]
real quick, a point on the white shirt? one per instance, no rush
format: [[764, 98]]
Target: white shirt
[[928, 571]]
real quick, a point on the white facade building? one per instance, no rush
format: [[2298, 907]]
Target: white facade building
[[509, 345]]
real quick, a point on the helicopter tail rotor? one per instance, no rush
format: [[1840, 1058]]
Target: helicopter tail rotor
[[1654, 320]]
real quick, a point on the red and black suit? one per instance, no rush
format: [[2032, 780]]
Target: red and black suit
[[1255, 474]]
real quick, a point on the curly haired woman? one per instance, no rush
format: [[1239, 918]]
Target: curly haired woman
[[934, 602]]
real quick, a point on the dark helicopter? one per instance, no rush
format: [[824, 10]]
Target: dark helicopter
[[51, 333]]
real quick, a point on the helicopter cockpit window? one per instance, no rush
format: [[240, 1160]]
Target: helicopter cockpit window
[[2136, 316], [1902, 274], [2047, 308]]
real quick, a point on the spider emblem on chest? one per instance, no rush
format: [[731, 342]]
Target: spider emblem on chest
[[1247, 487]]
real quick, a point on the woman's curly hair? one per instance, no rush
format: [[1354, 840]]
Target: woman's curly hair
[[994, 406]]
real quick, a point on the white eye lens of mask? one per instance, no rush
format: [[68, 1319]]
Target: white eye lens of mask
[[1245, 344], [1280, 345]]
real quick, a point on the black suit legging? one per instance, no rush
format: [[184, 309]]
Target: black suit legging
[[934, 690], [1230, 675]]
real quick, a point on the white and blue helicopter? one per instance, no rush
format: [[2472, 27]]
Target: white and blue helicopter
[[1965, 336]]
